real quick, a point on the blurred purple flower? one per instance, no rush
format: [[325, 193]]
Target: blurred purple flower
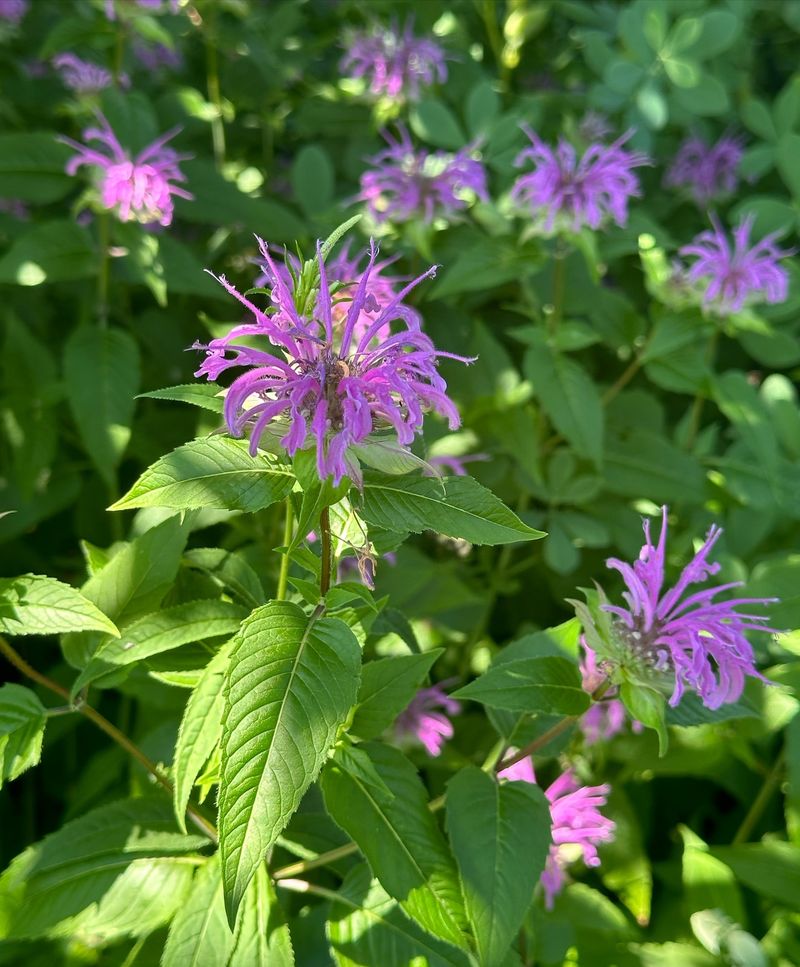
[[15, 208], [698, 642], [332, 385], [454, 465], [423, 722], [84, 77], [576, 821], [139, 189], [13, 10], [408, 184], [395, 63], [738, 274], [157, 56], [155, 6], [594, 126], [566, 192], [605, 718], [707, 170]]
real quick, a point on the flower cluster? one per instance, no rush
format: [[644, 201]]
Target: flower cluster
[[565, 192], [82, 76], [395, 62], [738, 274], [406, 183], [330, 385], [157, 56], [13, 10], [695, 641], [708, 171], [139, 188], [577, 823], [423, 721]]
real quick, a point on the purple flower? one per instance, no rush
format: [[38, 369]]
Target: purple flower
[[423, 722], [406, 184], [594, 126], [84, 77], [13, 10], [565, 192], [139, 188], [15, 208], [156, 56], [576, 822], [155, 6], [706, 170], [700, 643], [605, 718], [738, 274], [396, 64], [330, 385], [454, 465]]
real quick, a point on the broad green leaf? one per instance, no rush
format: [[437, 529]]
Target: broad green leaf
[[34, 604], [691, 711], [313, 179], [199, 935], [642, 464], [32, 167], [500, 833], [708, 883], [786, 158], [22, 722], [435, 123], [117, 870], [455, 506], [101, 369], [720, 29], [214, 472], [290, 683], [366, 926], [391, 823], [483, 106], [771, 868], [387, 686], [204, 395], [229, 571], [569, 397], [648, 706], [200, 731], [261, 936], [549, 684], [54, 251], [708, 98]]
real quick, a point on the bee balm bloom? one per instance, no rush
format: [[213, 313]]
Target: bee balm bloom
[[423, 721], [137, 189], [706, 170], [82, 76], [330, 386], [395, 64], [565, 192], [13, 10]]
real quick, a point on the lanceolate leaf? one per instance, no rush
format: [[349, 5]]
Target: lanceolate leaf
[[290, 684], [213, 472], [261, 936], [22, 722], [551, 685], [500, 833], [390, 821], [37, 605], [455, 506], [200, 934], [204, 395]]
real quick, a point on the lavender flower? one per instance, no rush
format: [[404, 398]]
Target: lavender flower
[[330, 385], [406, 184], [13, 10], [454, 465], [139, 188], [84, 77], [396, 64], [157, 56], [155, 6], [700, 643], [576, 822], [737, 275], [566, 193], [706, 170], [594, 126], [422, 721]]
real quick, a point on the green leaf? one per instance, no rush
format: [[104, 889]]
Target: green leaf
[[647, 706], [32, 167], [261, 936], [455, 506], [642, 464], [115, 870], [500, 833], [101, 369], [22, 722], [786, 154], [652, 104], [387, 686], [33, 604], [435, 123], [313, 179], [230, 571], [569, 397], [708, 883], [199, 934], [720, 29], [549, 684], [708, 98], [214, 471], [54, 251], [393, 827], [204, 395], [290, 683], [366, 926], [771, 868], [483, 106]]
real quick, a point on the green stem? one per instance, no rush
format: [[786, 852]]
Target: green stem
[[539, 743], [119, 54], [301, 886], [288, 532], [488, 10], [303, 866], [325, 562], [699, 400], [761, 801], [104, 239], [559, 286], [214, 93], [622, 381]]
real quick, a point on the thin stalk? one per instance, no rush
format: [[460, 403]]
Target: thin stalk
[[488, 10], [303, 866], [104, 239], [559, 286], [288, 532], [623, 379], [325, 563], [119, 55], [761, 801], [539, 743], [302, 886], [110, 730], [699, 400], [214, 94]]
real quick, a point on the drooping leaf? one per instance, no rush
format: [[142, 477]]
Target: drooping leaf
[[550, 685], [34, 604], [22, 722]]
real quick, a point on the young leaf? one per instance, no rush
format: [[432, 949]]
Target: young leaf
[[261, 936], [204, 395], [500, 833], [34, 604], [290, 684], [456, 506], [399, 837], [387, 686], [550, 685], [647, 706], [214, 471], [22, 722], [199, 933]]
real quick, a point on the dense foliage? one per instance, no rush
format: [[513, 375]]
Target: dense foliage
[[329, 631]]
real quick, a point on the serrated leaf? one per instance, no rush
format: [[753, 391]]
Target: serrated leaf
[[290, 683], [455, 506], [204, 395], [199, 934], [101, 369], [500, 833], [550, 685], [213, 472], [387, 686], [399, 837], [261, 937], [34, 604], [22, 722]]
